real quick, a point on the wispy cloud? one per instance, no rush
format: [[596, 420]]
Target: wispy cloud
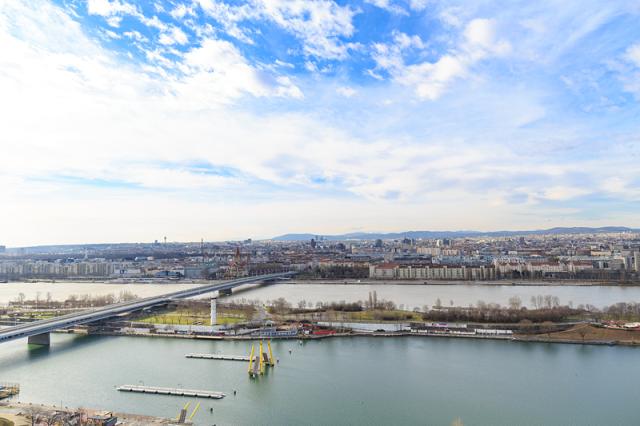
[[431, 78], [266, 109]]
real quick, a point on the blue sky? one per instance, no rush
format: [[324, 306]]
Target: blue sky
[[128, 121]]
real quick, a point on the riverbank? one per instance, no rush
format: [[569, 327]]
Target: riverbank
[[24, 414], [592, 336], [504, 282]]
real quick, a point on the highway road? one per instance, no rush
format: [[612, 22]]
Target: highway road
[[88, 316]]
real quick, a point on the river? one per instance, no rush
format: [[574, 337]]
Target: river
[[410, 296], [355, 381]]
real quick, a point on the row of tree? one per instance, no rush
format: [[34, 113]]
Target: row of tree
[[73, 301], [496, 314], [336, 272]]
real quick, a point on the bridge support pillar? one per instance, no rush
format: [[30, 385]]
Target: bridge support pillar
[[43, 339], [226, 292]]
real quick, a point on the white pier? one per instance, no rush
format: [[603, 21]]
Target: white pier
[[219, 356], [171, 391]]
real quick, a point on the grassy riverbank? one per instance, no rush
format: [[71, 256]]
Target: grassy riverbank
[[588, 334]]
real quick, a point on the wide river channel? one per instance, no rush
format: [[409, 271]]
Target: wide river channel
[[410, 296], [354, 381]]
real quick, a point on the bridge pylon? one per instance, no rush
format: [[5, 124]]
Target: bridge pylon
[[43, 339]]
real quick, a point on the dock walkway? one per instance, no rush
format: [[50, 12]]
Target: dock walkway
[[219, 356], [171, 391]]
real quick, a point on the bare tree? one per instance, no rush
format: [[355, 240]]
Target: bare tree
[[582, 331], [515, 302], [34, 412], [548, 327]]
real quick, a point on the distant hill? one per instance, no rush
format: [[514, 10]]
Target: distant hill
[[453, 234]]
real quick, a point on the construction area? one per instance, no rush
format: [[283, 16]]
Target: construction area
[[7, 390], [259, 361], [22, 414]]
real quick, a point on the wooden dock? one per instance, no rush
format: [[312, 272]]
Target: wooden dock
[[218, 356], [171, 391]]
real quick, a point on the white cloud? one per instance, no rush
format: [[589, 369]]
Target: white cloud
[[216, 72], [418, 5], [114, 21], [114, 10], [135, 35], [405, 41], [627, 68], [431, 79], [230, 17], [633, 54], [390, 56], [173, 36], [347, 92], [108, 8], [112, 35], [153, 22], [181, 10], [559, 193], [389, 6], [321, 25]]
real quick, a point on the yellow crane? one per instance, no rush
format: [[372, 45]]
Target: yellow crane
[[194, 412], [261, 354], [272, 361], [260, 360], [251, 359]]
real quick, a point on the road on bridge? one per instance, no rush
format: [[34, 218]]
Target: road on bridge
[[45, 326]]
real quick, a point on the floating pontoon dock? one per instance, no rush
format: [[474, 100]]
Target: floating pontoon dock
[[219, 356], [171, 391]]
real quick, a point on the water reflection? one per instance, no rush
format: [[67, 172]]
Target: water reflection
[[19, 353]]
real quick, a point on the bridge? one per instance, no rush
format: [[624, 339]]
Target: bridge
[[37, 332]]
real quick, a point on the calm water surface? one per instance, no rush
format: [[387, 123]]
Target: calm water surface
[[356, 381], [410, 296]]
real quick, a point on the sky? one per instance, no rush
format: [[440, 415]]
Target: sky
[[125, 121]]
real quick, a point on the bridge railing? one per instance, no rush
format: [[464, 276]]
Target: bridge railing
[[118, 308]]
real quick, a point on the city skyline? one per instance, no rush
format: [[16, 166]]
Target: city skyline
[[128, 121], [361, 236]]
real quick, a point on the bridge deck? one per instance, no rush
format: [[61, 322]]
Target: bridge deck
[[69, 320]]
